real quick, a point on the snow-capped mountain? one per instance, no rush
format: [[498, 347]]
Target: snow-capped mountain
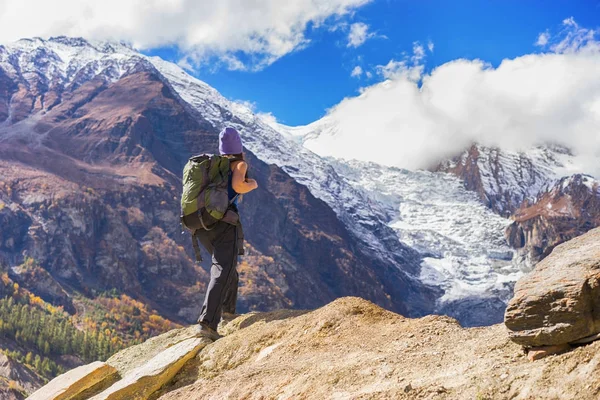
[[363, 216], [506, 179], [440, 235], [466, 231], [462, 241]]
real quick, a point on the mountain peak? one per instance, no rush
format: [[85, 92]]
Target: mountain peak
[[70, 41], [103, 46]]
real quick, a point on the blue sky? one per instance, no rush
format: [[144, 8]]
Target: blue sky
[[299, 87]]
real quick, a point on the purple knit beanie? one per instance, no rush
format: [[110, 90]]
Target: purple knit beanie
[[230, 142]]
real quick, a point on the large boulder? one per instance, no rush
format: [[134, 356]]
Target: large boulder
[[559, 302]]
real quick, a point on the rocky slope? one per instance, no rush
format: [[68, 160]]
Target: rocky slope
[[17, 380], [353, 349]]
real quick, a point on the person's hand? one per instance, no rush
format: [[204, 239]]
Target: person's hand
[[253, 183]]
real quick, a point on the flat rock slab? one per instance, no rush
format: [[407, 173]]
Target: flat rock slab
[[143, 381], [133, 357], [72, 385], [559, 302]]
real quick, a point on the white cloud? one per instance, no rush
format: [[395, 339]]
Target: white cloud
[[249, 34], [430, 46], [542, 39], [400, 70], [418, 52], [357, 72], [571, 38], [410, 67], [538, 98], [359, 33]]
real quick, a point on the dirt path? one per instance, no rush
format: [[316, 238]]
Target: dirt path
[[352, 349]]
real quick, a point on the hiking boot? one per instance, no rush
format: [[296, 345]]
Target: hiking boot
[[203, 330]]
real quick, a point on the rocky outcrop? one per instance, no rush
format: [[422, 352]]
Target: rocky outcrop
[[22, 376], [135, 357], [569, 209], [559, 302], [352, 348], [37, 280]]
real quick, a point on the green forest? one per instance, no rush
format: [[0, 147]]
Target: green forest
[[38, 334], [49, 335]]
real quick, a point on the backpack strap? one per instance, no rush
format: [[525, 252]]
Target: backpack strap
[[202, 221], [196, 245], [234, 159]]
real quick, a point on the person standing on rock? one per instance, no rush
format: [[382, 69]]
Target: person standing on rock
[[223, 240]]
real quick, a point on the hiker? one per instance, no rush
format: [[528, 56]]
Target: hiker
[[222, 239]]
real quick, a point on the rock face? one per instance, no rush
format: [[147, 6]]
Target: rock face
[[559, 302], [21, 375], [40, 282], [569, 209], [505, 180]]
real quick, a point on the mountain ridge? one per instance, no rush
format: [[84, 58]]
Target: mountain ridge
[[77, 139]]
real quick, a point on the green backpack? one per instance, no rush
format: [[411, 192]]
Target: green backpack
[[205, 181], [205, 197]]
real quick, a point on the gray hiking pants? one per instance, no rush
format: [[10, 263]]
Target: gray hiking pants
[[221, 294]]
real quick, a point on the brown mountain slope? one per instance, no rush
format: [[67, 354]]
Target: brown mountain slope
[[92, 182]]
